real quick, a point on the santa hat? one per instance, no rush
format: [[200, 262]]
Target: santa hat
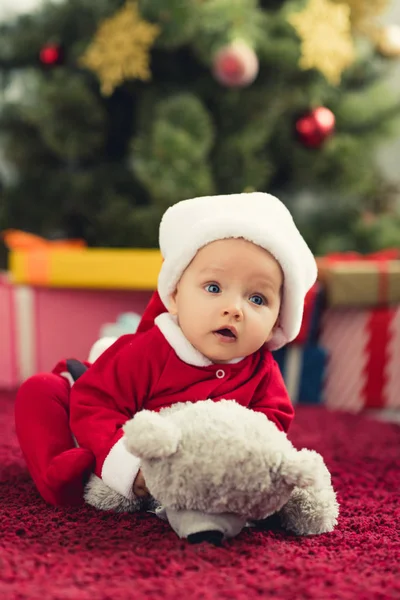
[[257, 217], [154, 308]]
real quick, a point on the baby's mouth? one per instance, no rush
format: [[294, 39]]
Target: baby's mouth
[[225, 334]]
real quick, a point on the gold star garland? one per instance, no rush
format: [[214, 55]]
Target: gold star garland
[[364, 15], [326, 42], [120, 49], [363, 12]]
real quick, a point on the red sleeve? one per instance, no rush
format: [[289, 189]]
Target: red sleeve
[[111, 391], [272, 398]]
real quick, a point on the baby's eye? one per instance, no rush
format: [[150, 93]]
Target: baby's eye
[[213, 288], [257, 299]]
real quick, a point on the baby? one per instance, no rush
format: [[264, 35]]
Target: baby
[[235, 274]]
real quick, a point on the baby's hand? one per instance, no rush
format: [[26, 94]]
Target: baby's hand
[[139, 486]]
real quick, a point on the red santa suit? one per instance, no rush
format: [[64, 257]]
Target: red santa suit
[[158, 367], [154, 370]]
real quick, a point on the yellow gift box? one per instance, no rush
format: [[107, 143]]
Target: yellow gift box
[[352, 280], [95, 268]]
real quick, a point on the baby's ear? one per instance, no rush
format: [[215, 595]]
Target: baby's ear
[[172, 307], [148, 435]]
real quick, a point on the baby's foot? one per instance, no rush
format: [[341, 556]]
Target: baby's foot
[[67, 475]]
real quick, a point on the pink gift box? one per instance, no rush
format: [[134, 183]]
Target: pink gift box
[[39, 326], [363, 347]]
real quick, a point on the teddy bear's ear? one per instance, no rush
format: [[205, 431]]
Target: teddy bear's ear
[[148, 435], [303, 468]]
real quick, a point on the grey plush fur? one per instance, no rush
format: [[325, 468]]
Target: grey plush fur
[[99, 495], [220, 457]]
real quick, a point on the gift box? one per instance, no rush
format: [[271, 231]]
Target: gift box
[[70, 295], [364, 358], [303, 362], [355, 280], [34, 260], [92, 268], [303, 368], [39, 325]]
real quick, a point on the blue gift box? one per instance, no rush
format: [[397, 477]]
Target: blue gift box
[[303, 366], [303, 369]]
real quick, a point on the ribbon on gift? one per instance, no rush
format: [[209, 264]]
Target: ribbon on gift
[[37, 252], [379, 330], [364, 352], [354, 279], [15, 239], [17, 341]]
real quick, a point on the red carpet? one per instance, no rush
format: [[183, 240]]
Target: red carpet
[[54, 554]]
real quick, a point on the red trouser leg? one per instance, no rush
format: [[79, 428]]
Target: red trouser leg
[[57, 467]]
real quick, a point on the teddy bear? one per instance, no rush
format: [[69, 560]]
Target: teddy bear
[[214, 468]]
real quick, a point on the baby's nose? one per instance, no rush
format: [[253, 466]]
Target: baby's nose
[[234, 310]]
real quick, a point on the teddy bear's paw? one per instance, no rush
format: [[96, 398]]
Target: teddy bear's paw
[[310, 512], [213, 537], [102, 497]]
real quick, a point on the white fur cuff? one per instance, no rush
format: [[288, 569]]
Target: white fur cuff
[[120, 469]]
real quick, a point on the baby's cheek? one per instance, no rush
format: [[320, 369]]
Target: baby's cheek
[[264, 327]]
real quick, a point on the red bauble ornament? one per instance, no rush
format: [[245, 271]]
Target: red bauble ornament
[[51, 55], [315, 127], [235, 65]]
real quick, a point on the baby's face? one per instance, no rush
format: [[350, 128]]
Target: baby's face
[[228, 299]]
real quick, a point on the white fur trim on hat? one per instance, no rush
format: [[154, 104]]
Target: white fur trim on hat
[[257, 217]]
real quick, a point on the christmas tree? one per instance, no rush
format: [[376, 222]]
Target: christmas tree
[[112, 110]]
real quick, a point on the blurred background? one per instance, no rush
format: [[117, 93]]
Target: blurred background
[[111, 111]]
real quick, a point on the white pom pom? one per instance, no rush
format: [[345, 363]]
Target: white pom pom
[[99, 347]]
